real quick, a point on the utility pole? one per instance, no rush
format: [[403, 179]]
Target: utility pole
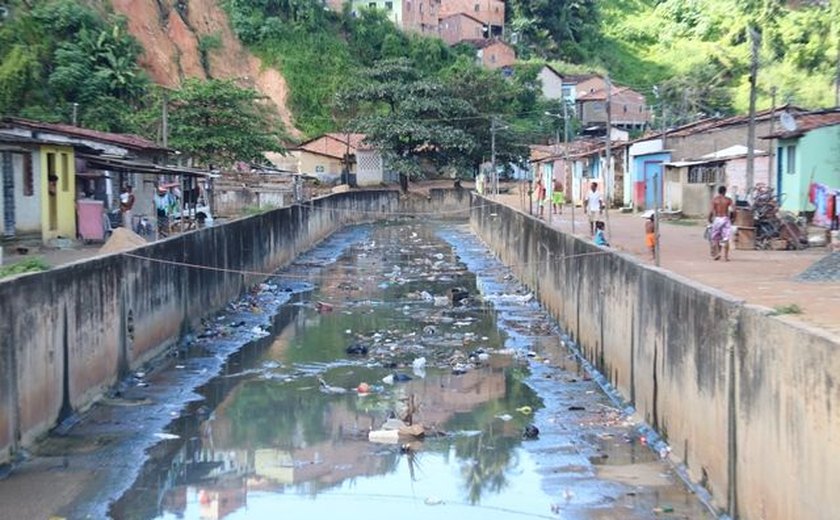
[[771, 141], [756, 40], [493, 186], [837, 77], [569, 185], [657, 188], [608, 177], [75, 114]]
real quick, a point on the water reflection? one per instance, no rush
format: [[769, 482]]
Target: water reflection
[[274, 434]]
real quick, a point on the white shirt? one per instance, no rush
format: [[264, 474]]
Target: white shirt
[[593, 202]]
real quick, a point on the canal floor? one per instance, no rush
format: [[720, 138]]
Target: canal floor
[[267, 409]]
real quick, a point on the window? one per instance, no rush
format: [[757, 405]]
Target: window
[[704, 174], [389, 6], [492, 58], [28, 176], [790, 159], [408, 5], [625, 109], [476, 8], [641, 108]]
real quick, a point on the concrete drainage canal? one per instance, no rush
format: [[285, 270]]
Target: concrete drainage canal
[[396, 371]]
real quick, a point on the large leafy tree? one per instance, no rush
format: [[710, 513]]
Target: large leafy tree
[[412, 119], [509, 108], [217, 123], [566, 29], [58, 54]]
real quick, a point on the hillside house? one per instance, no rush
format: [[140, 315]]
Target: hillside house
[[551, 83], [628, 108], [326, 156], [807, 172], [453, 20], [493, 54], [459, 27]]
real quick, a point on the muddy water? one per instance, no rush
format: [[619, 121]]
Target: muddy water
[[284, 431]]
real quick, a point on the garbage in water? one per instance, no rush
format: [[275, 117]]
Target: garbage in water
[[301, 422], [531, 432]]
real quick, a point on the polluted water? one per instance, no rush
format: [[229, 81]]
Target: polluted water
[[406, 374]]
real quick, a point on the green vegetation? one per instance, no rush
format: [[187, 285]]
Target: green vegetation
[[697, 51], [786, 309], [60, 53], [688, 57], [427, 105], [217, 123], [30, 265]]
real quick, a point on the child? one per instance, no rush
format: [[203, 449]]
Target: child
[[557, 197], [650, 234], [600, 239], [539, 192]]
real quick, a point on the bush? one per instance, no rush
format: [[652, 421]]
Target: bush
[[30, 265]]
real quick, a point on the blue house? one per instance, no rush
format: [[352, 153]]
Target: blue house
[[808, 153]]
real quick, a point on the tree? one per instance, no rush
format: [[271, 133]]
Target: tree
[[59, 53], [217, 123], [548, 30], [411, 119], [512, 100]]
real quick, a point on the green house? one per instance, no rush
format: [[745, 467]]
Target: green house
[[807, 151]]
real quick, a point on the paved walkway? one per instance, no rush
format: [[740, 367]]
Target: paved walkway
[[759, 277]]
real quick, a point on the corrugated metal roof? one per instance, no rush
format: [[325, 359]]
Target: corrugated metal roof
[[334, 145], [134, 142], [805, 122]]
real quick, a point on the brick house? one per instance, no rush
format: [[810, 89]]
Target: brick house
[[628, 108], [490, 12], [459, 27], [493, 54]]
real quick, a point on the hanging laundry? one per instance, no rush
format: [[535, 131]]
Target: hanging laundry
[[821, 218]]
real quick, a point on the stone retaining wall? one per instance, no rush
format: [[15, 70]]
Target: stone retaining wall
[[69, 333], [749, 402]]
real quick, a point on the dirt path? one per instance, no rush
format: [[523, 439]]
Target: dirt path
[[758, 277]]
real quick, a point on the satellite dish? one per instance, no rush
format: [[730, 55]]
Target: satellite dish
[[787, 121]]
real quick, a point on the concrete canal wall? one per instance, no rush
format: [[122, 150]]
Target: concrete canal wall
[[749, 402], [68, 333]]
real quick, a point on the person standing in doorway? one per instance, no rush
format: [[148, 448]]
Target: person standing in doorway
[[594, 205], [126, 205], [720, 219]]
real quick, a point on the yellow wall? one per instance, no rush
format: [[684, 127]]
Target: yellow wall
[[58, 210], [308, 163]]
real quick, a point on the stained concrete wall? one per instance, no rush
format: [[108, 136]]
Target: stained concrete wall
[[747, 401], [68, 333]]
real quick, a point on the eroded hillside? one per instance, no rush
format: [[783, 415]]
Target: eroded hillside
[[193, 38]]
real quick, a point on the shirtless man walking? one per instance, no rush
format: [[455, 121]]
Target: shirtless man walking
[[719, 217]]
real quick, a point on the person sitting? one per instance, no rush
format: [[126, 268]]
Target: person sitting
[[600, 239]]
